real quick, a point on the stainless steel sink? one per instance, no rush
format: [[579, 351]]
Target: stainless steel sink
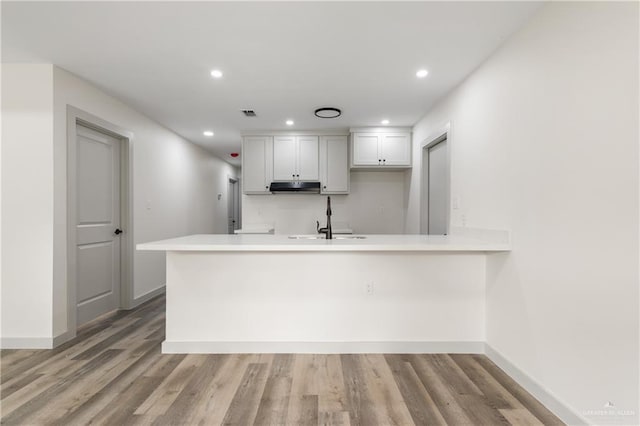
[[322, 237]]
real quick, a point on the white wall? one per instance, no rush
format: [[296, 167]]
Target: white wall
[[545, 142], [375, 205], [27, 202], [179, 181]]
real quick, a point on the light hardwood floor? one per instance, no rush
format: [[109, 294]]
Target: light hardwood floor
[[113, 373]]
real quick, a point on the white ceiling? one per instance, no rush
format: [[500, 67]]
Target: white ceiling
[[281, 59]]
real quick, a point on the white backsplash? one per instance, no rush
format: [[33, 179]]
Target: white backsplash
[[375, 205]]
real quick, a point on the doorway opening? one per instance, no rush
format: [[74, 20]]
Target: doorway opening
[[99, 219], [233, 205], [435, 184]]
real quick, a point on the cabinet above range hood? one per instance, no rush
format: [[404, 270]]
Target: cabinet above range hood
[[294, 186]]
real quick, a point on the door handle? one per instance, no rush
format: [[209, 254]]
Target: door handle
[[118, 231]]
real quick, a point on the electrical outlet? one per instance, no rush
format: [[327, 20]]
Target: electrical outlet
[[369, 289]]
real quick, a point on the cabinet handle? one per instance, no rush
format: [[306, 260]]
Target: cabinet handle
[[324, 187], [267, 187], [379, 161]]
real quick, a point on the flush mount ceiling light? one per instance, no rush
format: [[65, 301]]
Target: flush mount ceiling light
[[385, 122], [328, 112], [289, 122], [422, 73], [216, 73], [208, 133]]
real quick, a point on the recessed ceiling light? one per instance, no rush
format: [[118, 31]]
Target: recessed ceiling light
[[208, 133], [289, 122], [422, 73], [385, 122], [216, 73]]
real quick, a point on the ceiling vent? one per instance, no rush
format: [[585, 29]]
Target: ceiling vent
[[248, 112]]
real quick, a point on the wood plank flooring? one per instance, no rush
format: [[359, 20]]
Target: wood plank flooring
[[114, 374]]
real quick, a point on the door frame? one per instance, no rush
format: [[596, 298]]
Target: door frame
[[442, 134], [236, 181], [76, 116]]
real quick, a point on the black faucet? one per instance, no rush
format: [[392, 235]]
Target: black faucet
[[327, 230]]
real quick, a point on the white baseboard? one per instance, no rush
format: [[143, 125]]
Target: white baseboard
[[26, 343], [137, 301], [169, 347], [542, 394]]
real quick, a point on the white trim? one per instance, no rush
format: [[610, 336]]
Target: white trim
[[442, 134], [75, 116], [63, 338], [381, 130], [391, 347], [236, 180], [542, 394], [26, 343], [328, 132], [147, 296]]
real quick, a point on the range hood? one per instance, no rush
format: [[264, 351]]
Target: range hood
[[306, 187]]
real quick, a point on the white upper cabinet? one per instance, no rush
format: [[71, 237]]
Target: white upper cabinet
[[308, 166], [395, 149], [295, 158], [284, 158], [257, 164], [366, 149], [381, 149], [334, 166]]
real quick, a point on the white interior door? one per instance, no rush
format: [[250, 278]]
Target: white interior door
[[438, 189], [98, 223]]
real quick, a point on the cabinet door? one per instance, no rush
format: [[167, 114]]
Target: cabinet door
[[307, 158], [395, 149], [334, 167], [284, 158], [365, 149], [256, 164]]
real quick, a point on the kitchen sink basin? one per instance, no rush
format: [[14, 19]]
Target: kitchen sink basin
[[321, 237]]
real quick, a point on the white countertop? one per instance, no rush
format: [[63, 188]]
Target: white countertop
[[271, 243]]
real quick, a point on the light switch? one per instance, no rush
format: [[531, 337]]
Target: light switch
[[456, 202]]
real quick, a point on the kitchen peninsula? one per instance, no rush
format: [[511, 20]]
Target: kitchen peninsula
[[278, 293]]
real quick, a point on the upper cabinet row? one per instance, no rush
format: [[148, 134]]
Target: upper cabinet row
[[373, 150], [323, 159]]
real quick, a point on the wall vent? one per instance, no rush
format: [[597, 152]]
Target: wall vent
[[248, 112]]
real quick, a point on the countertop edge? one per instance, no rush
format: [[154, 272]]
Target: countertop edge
[[341, 248]]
